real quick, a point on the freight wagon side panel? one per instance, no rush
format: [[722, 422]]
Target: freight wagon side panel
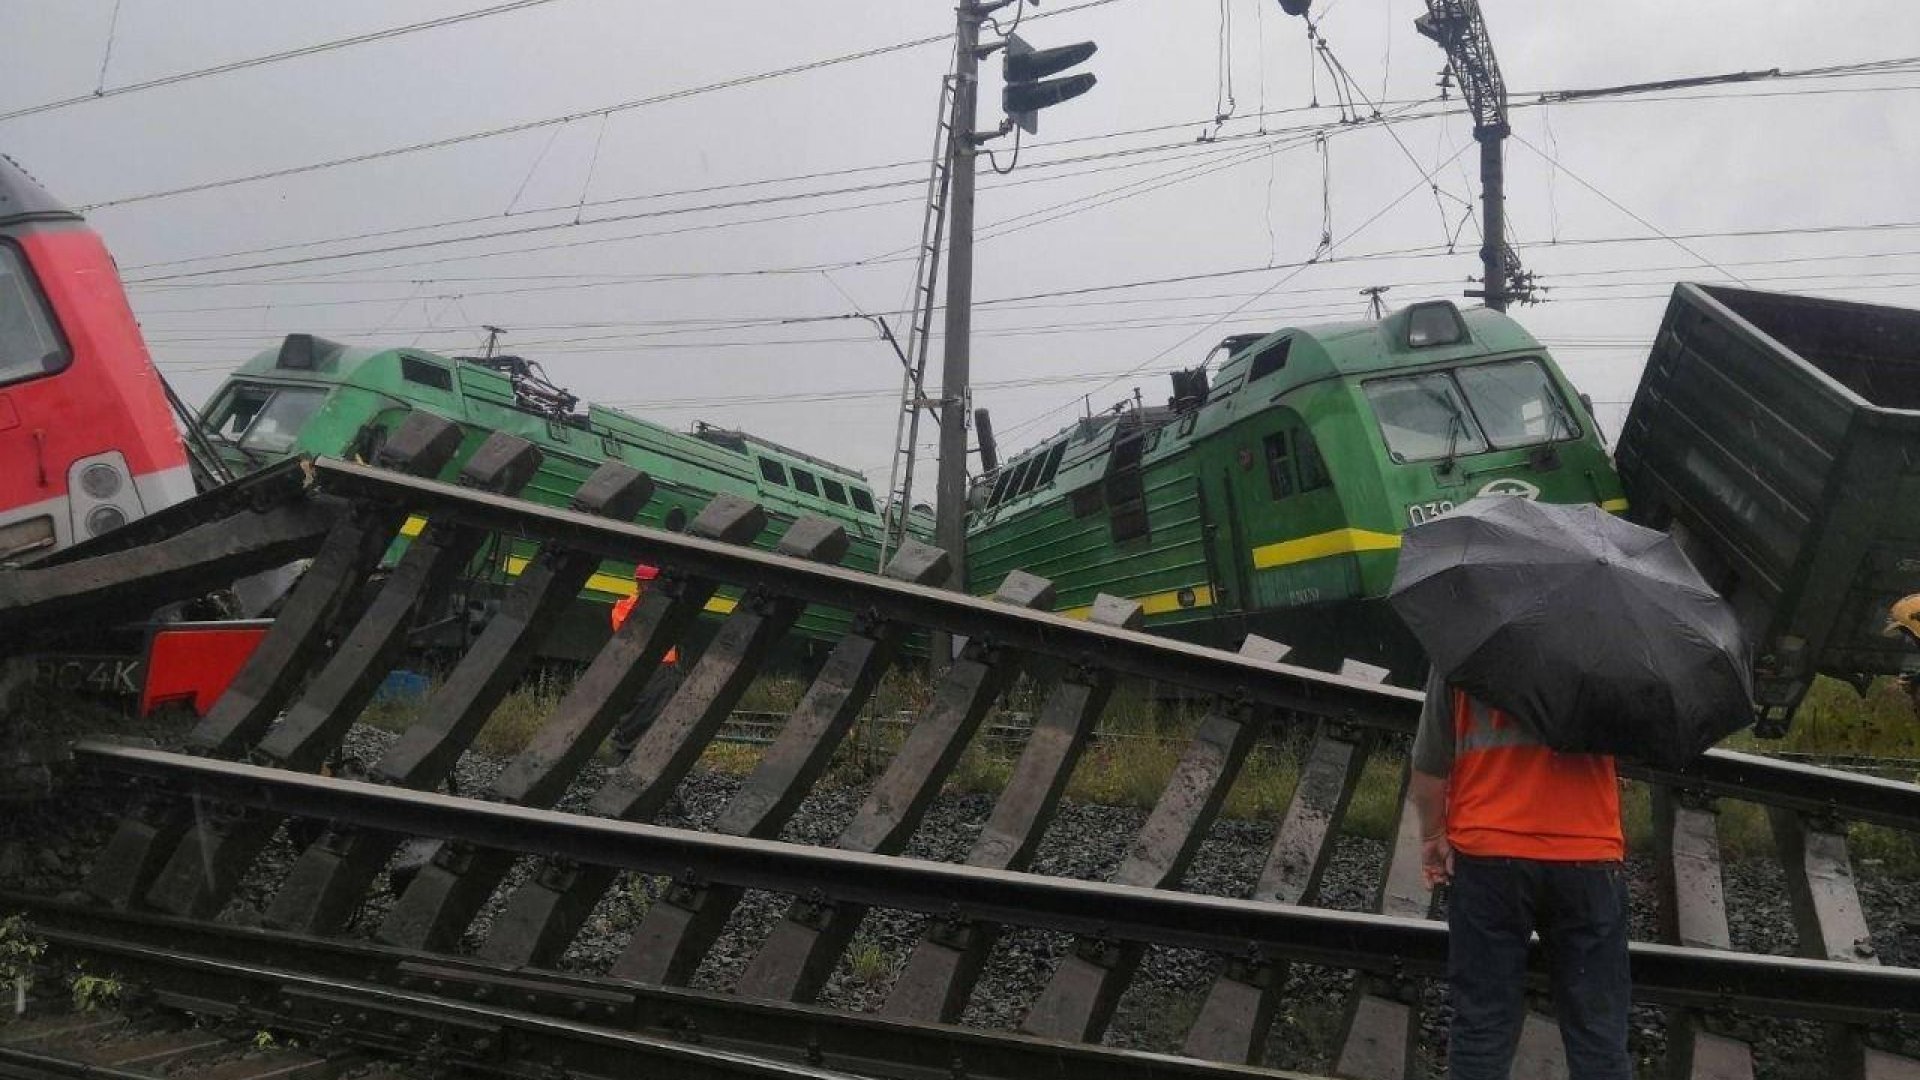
[[1776, 436]]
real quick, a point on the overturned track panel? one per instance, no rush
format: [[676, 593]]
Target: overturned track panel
[[199, 822]]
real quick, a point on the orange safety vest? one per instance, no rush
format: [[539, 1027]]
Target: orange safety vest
[[623, 607], [1509, 796]]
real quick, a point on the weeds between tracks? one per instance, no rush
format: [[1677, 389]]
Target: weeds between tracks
[[1139, 742]]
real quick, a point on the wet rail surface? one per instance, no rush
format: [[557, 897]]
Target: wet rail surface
[[198, 821]]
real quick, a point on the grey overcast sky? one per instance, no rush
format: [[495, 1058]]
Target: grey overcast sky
[[627, 250]]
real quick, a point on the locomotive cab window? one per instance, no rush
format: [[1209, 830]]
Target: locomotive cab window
[[263, 418], [1424, 417], [804, 480], [29, 345], [1444, 414], [835, 490], [1516, 404], [772, 473], [862, 501]]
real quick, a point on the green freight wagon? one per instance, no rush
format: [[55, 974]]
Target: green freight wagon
[[1269, 496], [1779, 438], [316, 397]]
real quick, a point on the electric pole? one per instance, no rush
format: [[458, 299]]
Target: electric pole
[[950, 488], [1493, 213], [1461, 32], [1027, 90]]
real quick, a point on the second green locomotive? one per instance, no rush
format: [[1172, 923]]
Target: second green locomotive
[[316, 397]]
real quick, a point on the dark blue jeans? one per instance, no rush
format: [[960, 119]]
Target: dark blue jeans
[[1580, 912]]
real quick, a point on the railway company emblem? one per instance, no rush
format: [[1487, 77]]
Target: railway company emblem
[[1510, 486]]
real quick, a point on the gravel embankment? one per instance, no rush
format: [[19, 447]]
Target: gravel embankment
[[48, 850]]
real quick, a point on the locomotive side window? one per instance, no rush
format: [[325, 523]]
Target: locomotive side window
[[804, 480], [29, 345], [1270, 359], [1041, 470], [1516, 404], [415, 370], [1424, 418], [1313, 467], [862, 501], [1052, 465], [771, 471], [835, 490], [1014, 479], [1000, 484], [1279, 465]]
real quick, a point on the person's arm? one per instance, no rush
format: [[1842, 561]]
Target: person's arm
[[1432, 764], [1430, 801]]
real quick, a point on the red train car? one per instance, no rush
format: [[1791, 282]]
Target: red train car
[[87, 441]]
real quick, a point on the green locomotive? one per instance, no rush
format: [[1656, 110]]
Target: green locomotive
[[316, 397], [1270, 498]]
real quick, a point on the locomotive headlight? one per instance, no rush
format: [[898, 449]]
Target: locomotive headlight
[[105, 519], [100, 480], [1436, 322]]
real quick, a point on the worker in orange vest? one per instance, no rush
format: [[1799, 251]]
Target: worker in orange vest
[[1529, 840], [623, 607], [666, 678]]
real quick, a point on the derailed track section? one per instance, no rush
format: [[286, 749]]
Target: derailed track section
[[201, 820]]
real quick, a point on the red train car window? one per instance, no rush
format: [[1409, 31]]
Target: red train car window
[[30, 345]]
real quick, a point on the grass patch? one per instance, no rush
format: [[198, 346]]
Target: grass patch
[[1124, 768], [1836, 719], [1898, 852], [867, 962], [512, 726], [1375, 810], [983, 770], [773, 693], [1744, 830], [731, 759], [1265, 784]]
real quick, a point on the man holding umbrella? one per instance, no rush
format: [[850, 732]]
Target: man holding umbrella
[[1560, 636], [1530, 840]]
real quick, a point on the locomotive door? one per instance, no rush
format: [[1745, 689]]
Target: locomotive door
[[1267, 498], [1223, 532]]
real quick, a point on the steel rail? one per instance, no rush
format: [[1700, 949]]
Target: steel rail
[[1663, 974], [19, 1063], [1806, 788], [852, 1041], [487, 1037]]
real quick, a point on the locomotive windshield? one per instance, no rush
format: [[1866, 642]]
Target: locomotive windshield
[[263, 418], [1444, 414], [28, 344]]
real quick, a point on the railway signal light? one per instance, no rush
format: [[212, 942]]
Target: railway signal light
[[1028, 89]]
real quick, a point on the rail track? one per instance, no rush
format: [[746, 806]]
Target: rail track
[[198, 819]]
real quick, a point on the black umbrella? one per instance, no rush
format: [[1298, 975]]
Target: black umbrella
[[1597, 634]]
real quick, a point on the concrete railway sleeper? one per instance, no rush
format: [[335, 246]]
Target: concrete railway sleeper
[[199, 820]]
